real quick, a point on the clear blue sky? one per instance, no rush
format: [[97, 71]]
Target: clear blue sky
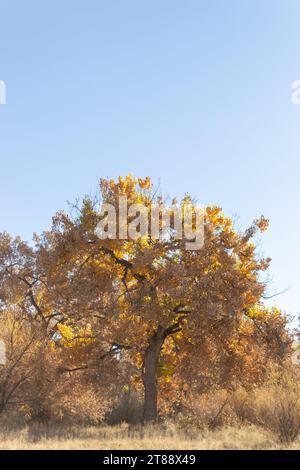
[[196, 94]]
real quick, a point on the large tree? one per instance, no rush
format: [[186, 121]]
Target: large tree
[[194, 318]]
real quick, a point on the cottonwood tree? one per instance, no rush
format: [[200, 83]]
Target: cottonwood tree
[[178, 316]]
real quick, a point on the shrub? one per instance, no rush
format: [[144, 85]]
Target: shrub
[[277, 409], [242, 405], [206, 411], [129, 409], [274, 406]]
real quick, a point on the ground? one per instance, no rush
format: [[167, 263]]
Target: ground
[[123, 437]]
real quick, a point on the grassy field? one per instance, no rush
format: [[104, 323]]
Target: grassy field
[[124, 437]]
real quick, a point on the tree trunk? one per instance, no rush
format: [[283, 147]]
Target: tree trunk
[[149, 374]]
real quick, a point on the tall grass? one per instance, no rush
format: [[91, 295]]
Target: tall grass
[[128, 437]]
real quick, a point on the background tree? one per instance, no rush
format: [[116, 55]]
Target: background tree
[[41, 349]]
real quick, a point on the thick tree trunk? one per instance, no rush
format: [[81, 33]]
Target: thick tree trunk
[[150, 374]]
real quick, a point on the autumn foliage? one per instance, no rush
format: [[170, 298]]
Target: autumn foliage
[[85, 320]]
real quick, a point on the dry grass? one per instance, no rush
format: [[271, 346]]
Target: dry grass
[[125, 437]]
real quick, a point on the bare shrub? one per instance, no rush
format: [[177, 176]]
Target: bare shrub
[[83, 404], [129, 409], [207, 411], [277, 407], [242, 406]]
